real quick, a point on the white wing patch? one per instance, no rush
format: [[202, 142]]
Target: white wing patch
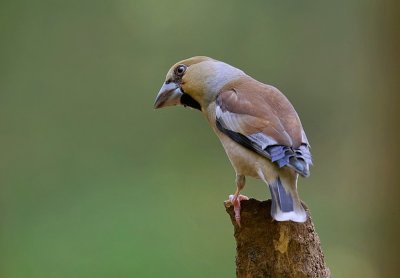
[[298, 159], [232, 122]]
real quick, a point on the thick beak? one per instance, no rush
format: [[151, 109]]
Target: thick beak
[[169, 95]]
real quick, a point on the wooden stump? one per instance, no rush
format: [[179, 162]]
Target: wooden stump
[[268, 248]]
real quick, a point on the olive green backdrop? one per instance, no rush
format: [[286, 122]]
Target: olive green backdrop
[[95, 183]]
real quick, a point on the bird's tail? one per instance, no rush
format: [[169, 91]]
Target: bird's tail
[[286, 204]]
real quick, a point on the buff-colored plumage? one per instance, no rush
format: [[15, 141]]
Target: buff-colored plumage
[[256, 124]]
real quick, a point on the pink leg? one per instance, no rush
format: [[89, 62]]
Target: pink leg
[[235, 200]]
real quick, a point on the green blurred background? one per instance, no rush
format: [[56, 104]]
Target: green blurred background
[[95, 183]]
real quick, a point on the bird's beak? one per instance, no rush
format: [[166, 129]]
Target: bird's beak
[[169, 95]]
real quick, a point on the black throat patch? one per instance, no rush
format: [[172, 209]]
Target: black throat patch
[[187, 100]]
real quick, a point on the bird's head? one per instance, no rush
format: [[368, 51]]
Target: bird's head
[[195, 82]]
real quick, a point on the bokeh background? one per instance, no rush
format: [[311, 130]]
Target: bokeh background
[[95, 183]]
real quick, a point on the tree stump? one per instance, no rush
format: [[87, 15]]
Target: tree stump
[[268, 248]]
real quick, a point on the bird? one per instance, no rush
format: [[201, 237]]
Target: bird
[[257, 125]]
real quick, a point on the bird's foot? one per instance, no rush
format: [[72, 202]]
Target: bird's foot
[[235, 200]]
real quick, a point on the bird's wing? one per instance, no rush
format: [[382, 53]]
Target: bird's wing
[[260, 118]]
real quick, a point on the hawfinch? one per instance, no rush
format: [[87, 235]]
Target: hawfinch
[[257, 125]]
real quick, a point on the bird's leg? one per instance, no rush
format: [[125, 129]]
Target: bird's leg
[[236, 198]]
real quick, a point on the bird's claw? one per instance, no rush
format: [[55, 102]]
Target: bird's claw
[[235, 201]]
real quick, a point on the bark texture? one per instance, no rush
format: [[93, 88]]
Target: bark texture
[[267, 248]]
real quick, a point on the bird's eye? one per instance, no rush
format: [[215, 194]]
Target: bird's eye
[[180, 70]]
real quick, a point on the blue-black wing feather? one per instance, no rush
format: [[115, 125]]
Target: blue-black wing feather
[[299, 159]]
